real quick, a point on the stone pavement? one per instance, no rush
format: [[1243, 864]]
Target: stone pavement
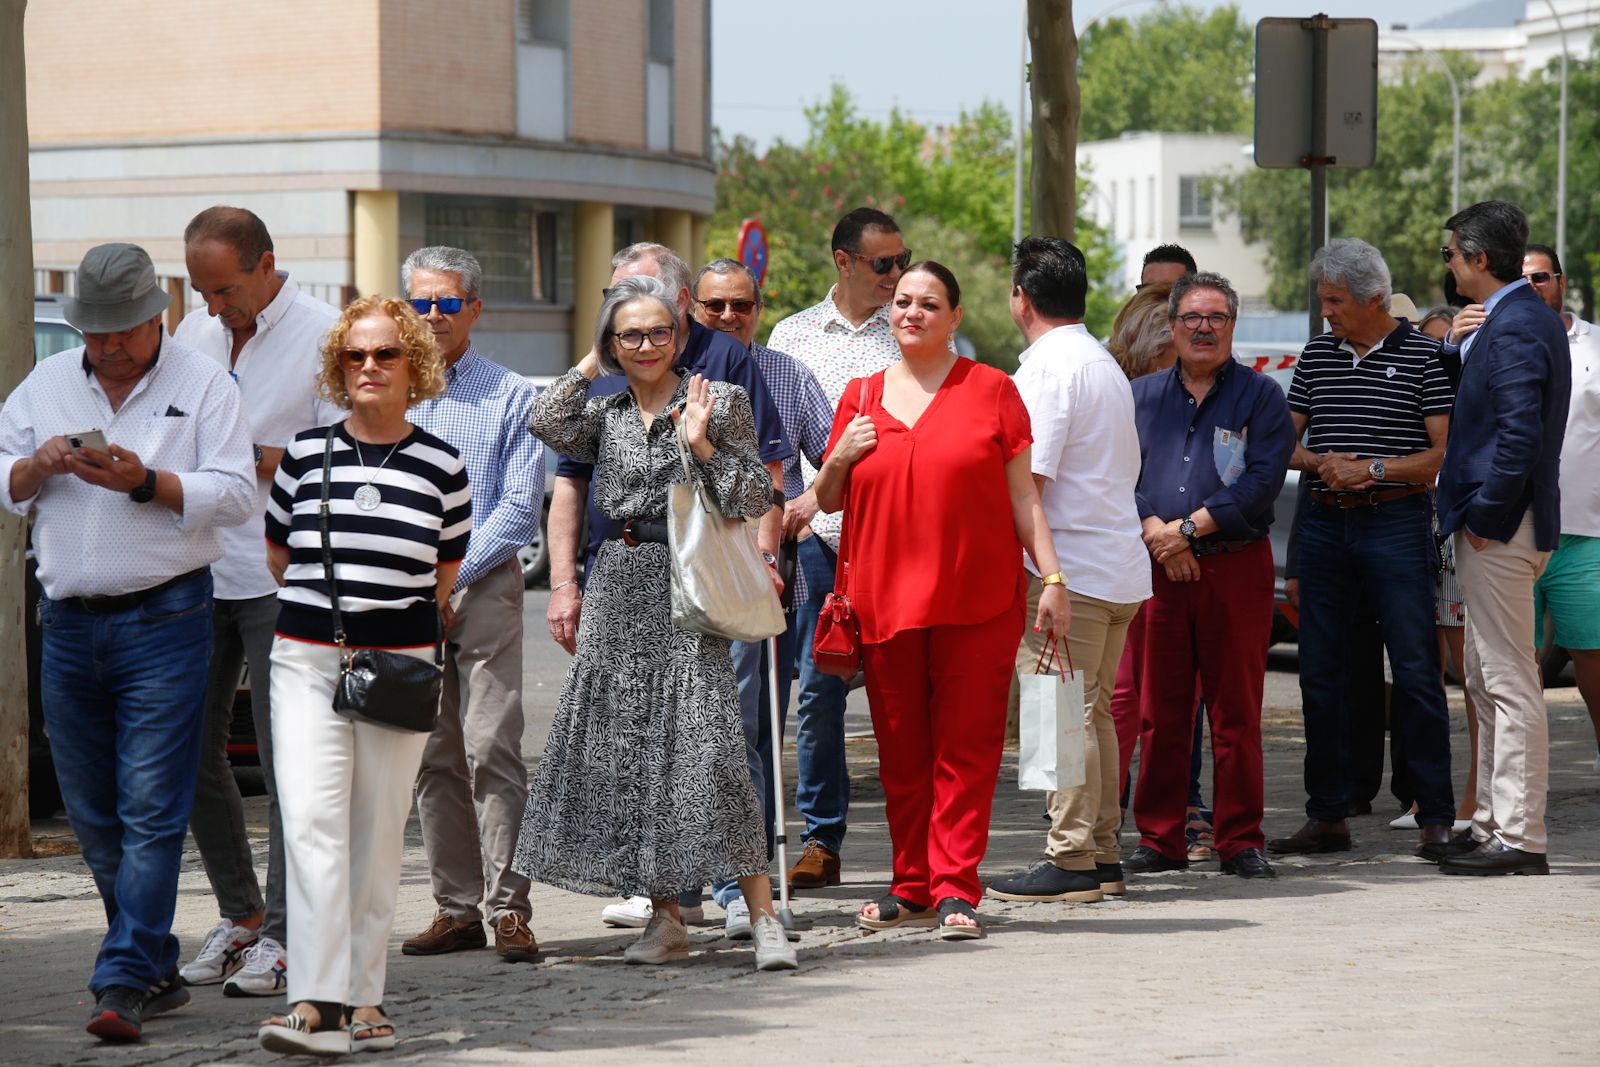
[[1364, 958]]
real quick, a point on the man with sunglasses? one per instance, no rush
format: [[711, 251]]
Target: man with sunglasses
[[259, 325], [473, 785]]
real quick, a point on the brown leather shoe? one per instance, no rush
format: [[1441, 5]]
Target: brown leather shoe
[[1314, 836], [818, 867], [513, 940], [445, 935]]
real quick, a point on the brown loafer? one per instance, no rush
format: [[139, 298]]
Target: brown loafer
[[445, 935], [513, 940], [1314, 836], [818, 867]]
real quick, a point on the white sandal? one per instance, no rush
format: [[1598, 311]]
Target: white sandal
[[362, 1038], [295, 1034]]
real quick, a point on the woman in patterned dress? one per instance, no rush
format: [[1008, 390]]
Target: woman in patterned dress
[[643, 789]]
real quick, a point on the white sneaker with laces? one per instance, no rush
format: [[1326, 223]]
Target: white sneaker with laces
[[773, 951], [737, 925], [221, 955], [662, 940], [265, 972], [635, 912]]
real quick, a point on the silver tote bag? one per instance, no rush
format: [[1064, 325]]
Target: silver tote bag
[[719, 583]]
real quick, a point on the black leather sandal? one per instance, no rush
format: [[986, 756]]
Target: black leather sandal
[[949, 931], [896, 911]]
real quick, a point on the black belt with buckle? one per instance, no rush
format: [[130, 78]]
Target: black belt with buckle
[[111, 605], [1218, 548], [636, 532], [1345, 499]]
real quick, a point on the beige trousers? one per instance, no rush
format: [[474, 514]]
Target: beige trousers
[[1084, 819], [1503, 680]]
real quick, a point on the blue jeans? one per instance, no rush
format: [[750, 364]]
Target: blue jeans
[[124, 701], [822, 792], [1384, 556]]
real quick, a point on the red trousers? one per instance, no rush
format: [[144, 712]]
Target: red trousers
[[1221, 626], [1125, 714], [938, 699]]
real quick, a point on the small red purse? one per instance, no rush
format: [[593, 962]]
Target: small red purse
[[836, 645]]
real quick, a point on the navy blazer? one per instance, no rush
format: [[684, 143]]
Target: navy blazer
[[1504, 451]]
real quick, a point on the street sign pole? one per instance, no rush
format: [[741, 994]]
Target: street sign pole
[[1317, 161]]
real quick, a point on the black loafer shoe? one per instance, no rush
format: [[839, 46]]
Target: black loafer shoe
[[1110, 875], [1492, 857], [1044, 882], [1146, 860], [1249, 864]]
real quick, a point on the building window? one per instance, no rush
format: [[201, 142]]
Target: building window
[[658, 76], [662, 31], [516, 242], [544, 21], [1194, 202], [544, 30]]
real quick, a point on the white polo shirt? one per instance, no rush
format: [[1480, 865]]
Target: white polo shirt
[[1580, 473], [277, 373], [1085, 442]]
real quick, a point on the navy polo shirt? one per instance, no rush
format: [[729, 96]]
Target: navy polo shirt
[[1228, 453], [719, 357]]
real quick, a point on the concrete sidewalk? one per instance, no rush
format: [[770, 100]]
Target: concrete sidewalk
[[1370, 957]]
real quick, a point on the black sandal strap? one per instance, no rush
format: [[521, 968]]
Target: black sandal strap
[[890, 906], [955, 906]]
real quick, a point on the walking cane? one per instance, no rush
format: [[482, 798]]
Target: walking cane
[[779, 817]]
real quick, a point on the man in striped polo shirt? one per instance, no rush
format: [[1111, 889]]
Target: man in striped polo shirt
[[1376, 401]]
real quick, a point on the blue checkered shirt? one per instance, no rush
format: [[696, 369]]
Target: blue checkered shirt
[[807, 419], [483, 414]]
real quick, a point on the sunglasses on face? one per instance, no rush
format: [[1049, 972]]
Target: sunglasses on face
[[1193, 320], [717, 306], [1447, 253], [883, 264], [633, 340], [355, 358], [1541, 277], [447, 305]]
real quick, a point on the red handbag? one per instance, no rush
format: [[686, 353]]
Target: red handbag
[[836, 645]]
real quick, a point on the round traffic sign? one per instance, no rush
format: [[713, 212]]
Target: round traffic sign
[[753, 248]]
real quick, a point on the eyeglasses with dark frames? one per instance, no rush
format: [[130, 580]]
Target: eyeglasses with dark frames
[[1193, 320], [447, 305], [1447, 253], [633, 340], [716, 305], [1542, 277], [883, 264]]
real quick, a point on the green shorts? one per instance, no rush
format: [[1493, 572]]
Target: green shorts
[[1569, 592]]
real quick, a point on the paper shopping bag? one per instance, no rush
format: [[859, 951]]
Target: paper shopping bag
[[1052, 715]]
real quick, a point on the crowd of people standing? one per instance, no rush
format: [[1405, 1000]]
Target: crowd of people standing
[[311, 481]]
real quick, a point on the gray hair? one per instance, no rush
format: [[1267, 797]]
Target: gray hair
[[727, 266], [627, 291], [1443, 311], [446, 260], [670, 266], [1203, 280], [1352, 264]]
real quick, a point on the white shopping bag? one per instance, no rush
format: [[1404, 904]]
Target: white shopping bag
[[1052, 716]]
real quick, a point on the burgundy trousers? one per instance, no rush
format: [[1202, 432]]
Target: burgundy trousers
[[1219, 626], [938, 699]]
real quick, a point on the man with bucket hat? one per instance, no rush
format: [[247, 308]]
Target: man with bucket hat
[[130, 451]]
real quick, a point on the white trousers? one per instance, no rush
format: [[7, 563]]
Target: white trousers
[[345, 792]]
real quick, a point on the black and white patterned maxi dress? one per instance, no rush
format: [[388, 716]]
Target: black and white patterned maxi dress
[[643, 788]]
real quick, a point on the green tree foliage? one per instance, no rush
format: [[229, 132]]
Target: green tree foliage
[[950, 189]]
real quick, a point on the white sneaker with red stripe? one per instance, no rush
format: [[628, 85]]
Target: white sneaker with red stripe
[[221, 955]]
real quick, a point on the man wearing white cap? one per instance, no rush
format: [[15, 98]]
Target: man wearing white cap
[[130, 451]]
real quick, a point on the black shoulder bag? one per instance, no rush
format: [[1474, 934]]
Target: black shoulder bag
[[375, 684]]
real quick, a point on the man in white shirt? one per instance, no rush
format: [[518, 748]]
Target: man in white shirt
[[267, 334], [1086, 464], [130, 451]]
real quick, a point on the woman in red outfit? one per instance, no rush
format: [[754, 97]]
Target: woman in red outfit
[[933, 474]]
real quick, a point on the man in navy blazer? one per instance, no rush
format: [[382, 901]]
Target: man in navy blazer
[[1498, 494]]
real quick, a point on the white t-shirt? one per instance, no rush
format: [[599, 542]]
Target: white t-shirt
[[1580, 473], [277, 373], [1085, 442]]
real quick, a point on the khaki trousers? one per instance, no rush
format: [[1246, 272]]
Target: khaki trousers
[[1084, 820], [1503, 680], [473, 785]]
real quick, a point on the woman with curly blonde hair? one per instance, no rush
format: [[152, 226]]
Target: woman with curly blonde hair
[[398, 515]]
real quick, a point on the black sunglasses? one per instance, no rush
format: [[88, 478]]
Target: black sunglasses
[[448, 305], [355, 358], [882, 264], [716, 305], [1542, 277]]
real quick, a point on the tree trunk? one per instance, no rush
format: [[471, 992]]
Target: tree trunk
[[1054, 89], [16, 360]]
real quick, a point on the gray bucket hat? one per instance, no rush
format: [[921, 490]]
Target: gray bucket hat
[[117, 290]]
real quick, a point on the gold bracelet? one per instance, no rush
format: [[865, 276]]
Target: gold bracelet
[[1054, 579]]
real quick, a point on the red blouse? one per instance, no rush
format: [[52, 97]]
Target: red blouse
[[928, 528]]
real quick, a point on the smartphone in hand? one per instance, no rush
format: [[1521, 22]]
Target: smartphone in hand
[[94, 439]]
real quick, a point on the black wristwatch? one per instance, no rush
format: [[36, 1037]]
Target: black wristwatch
[[778, 499], [1186, 527], [146, 492], [259, 454]]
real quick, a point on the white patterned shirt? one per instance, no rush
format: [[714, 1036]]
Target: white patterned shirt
[[277, 373], [837, 353], [1580, 474], [183, 417]]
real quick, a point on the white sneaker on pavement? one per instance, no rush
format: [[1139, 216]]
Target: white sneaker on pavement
[[737, 925], [773, 951], [635, 912], [221, 955], [662, 940], [265, 972], [1408, 821]]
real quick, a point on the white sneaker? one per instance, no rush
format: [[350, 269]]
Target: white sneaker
[[773, 951], [265, 972], [662, 940], [737, 925], [632, 913], [221, 955], [1408, 821]]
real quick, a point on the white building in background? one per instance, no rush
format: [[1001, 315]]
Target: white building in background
[[1150, 189], [1504, 36]]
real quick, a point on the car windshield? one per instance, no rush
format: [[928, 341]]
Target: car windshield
[[52, 337]]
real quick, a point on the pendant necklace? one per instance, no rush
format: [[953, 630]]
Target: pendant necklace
[[367, 496]]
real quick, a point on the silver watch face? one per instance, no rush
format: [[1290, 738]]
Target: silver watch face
[[1377, 469]]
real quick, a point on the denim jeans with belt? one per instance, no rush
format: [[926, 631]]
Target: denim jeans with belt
[[124, 704], [1383, 555]]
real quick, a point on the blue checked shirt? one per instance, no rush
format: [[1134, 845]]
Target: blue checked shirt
[[807, 419], [483, 415]]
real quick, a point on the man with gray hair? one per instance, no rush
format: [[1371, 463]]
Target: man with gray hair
[[473, 785], [1372, 400]]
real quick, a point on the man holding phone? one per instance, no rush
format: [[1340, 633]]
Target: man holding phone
[[125, 535]]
